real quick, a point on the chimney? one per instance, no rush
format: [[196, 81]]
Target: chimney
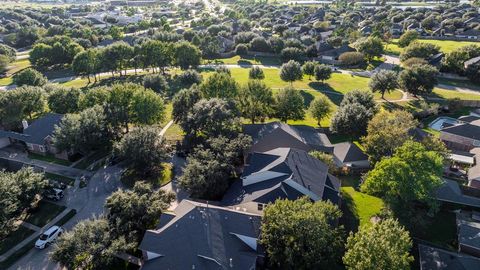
[[24, 124]]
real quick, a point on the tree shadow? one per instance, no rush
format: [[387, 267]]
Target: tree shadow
[[244, 63], [349, 219], [307, 98], [391, 106], [324, 88], [122, 79]]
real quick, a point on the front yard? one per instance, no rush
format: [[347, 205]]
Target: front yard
[[49, 158], [44, 213]]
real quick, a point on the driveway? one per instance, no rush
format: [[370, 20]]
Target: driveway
[[180, 194], [88, 202]]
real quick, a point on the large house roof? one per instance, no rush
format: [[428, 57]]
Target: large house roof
[[37, 131], [276, 134], [464, 130], [202, 236], [349, 152], [469, 234], [285, 173], [450, 192], [432, 258]]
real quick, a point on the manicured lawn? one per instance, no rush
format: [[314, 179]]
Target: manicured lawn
[[45, 212], [446, 46], [358, 208], [245, 60], [49, 158], [447, 94], [60, 178], [14, 238]]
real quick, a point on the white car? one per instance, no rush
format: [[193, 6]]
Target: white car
[[48, 237]]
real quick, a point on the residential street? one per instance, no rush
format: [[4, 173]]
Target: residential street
[[88, 202]]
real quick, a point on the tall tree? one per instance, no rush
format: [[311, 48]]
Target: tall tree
[[219, 85], [418, 80], [64, 100], [144, 148], [182, 102], [256, 73], [322, 73], [255, 100], [289, 105], [370, 46], [384, 245], [87, 63], [412, 174], [29, 76], [308, 68], [407, 38], [320, 108], [386, 132], [20, 103], [297, 227], [147, 108], [383, 81], [131, 212], [19, 190], [187, 55], [291, 71], [354, 113], [89, 245]]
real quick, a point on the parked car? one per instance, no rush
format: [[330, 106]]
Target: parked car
[[53, 194], [48, 237]]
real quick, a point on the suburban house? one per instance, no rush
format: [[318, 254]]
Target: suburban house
[[37, 136], [474, 171], [468, 229], [201, 236], [332, 56], [282, 173], [462, 137], [450, 192], [349, 156], [274, 135], [432, 258]]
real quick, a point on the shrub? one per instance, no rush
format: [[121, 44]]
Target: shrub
[[349, 59], [241, 49], [29, 76], [156, 82]]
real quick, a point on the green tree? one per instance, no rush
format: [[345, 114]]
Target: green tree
[[219, 85], [383, 81], [407, 38], [19, 191], [384, 245], [29, 76], [83, 132], [386, 132], [131, 212], [147, 108], [187, 55], [87, 63], [354, 113], [419, 50], [289, 105], [89, 245], [206, 175], [182, 102], [320, 108], [454, 61], [297, 227], [64, 100], [144, 148], [20, 103], [156, 82], [413, 173], [4, 61], [418, 80], [118, 105], [256, 73], [322, 73], [94, 96], [370, 47], [291, 71], [308, 68], [255, 100]]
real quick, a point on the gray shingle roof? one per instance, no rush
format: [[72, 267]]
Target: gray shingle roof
[[276, 134], [464, 130], [290, 173], [432, 258], [451, 192], [349, 152], [201, 237], [38, 130], [469, 235]]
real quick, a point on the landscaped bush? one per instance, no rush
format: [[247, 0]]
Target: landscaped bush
[[189, 77], [349, 59], [29, 76]]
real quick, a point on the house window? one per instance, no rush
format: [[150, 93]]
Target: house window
[[42, 149], [260, 206]]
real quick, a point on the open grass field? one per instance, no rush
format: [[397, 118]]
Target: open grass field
[[446, 46], [245, 60]]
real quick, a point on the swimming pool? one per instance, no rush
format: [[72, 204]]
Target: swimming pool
[[442, 122]]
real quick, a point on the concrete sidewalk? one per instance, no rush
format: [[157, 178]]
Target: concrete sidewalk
[[34, 236], [47, 166]]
